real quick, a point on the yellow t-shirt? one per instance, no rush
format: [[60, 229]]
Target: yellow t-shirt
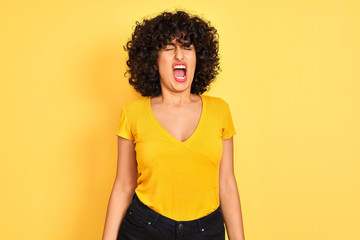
[[179, 180]]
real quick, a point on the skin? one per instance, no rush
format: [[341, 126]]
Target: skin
[[178, 111], [175, 53], [229, 195]]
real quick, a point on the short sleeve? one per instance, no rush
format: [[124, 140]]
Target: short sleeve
[[123, 128], [228, 126]]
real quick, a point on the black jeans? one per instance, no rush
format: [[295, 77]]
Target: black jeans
[[141, 222]]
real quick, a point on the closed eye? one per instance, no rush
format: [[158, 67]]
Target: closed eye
[[170, 47], [188, 46]]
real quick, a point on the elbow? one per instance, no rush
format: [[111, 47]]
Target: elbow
[[228, 185], [124, 187]]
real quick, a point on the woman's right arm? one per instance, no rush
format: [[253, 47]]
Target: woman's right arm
[[123, 189]]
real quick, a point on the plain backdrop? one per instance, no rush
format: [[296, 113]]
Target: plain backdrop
[[290, 75]]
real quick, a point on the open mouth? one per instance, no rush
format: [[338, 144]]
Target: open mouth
[[180, 72]]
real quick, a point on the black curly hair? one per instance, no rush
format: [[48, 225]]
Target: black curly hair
[[151, 35]]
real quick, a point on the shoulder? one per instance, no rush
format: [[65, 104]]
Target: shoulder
[[136, 107], [216, 102]]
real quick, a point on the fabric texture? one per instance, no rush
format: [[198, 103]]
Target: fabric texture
[[179, 180], [141, 222]]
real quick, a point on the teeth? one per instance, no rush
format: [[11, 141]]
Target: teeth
[[179, 67]]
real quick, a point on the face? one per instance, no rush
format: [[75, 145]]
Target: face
[[176, 65]]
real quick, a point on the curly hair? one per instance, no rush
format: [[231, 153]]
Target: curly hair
[[151, 35]]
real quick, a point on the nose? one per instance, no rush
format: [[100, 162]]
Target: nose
[[179, 53]]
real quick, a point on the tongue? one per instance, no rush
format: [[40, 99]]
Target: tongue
[[179, 72]]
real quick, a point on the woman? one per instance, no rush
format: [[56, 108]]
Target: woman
[[175, 145]]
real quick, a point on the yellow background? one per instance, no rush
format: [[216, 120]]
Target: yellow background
[[290, 74]]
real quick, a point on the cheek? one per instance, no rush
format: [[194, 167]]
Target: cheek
[[192, 56], [192, 61], [163, 65]]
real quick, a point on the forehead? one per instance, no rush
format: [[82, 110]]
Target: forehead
[[178, 40], [179, 37]]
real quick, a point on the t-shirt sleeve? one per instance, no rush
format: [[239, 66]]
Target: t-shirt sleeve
[[228, 126], [123, 128]]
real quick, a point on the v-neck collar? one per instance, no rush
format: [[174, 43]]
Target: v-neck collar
[[197, 129]]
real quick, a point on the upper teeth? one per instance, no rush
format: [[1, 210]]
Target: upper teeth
[[179, 67]]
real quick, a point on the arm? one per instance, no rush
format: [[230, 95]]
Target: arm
[[123, 188], [229, 195]]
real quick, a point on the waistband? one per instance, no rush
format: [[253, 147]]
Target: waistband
[[148, 214]]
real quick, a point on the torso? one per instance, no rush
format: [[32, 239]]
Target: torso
[[179, 121], [174, 177]]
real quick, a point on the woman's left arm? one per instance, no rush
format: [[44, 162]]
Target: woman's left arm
[[229, 195]]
